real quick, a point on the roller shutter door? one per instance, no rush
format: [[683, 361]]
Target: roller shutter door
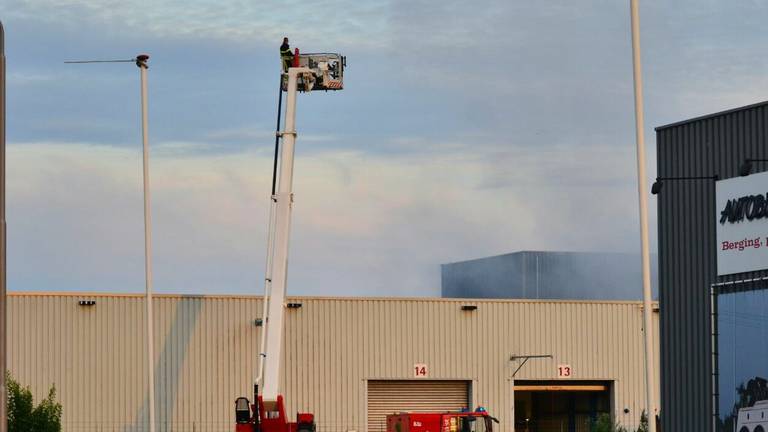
[[388, 397]]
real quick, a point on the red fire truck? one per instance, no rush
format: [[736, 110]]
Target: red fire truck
[[477, 421]]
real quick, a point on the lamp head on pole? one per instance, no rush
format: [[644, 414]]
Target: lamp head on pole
[[746, 168], [141, 61], [656, 187], [659, 183]]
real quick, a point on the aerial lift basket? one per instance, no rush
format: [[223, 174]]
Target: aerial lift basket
[[327, 71]]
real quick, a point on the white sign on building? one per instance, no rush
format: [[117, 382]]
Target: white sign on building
[[742, 224]]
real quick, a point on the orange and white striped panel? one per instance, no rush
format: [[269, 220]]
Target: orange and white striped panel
[[333, 84]]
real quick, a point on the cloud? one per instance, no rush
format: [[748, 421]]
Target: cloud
[[235, 21], [258, 134], [384, 222], [465, 129], [28, 78]]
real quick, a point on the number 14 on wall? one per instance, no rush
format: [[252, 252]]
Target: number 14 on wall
[[420, 370]]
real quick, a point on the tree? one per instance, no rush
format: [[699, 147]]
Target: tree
[[24, 416], [643, 422]]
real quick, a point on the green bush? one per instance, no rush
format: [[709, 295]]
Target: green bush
[[24, 416], [605, 424]]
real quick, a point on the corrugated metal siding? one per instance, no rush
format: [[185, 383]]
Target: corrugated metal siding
[[547, 275], [96, 358], [206, 354], [390, 397], [715, 144]]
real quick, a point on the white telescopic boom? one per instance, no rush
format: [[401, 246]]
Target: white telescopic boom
[[283, 204]]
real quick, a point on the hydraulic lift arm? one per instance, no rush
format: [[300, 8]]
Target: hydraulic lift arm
[[283, 199], [267, 413]]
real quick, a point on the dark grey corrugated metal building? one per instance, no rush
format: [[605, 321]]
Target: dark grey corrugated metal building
[[703, 146], [547, 275]]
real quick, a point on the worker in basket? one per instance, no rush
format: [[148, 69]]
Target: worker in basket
[[286, 55]]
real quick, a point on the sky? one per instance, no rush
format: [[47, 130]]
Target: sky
[[465, 129]]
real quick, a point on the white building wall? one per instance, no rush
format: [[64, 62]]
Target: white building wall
[[206, 350]]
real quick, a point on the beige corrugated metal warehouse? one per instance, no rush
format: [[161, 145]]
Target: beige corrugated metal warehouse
[[341, 354]]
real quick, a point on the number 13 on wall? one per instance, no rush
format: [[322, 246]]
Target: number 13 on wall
[[564, 371], [420, 370]]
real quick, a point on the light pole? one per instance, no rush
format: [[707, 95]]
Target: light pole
[[141, 62], [3, 306], [650, 399]]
